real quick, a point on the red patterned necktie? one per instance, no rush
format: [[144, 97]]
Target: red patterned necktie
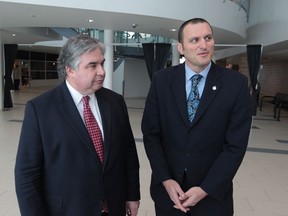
[[95, 134], [93, 128]]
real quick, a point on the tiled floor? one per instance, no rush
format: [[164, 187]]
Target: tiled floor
[[261, 184]]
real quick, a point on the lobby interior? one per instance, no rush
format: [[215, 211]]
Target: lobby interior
[[261, 184]]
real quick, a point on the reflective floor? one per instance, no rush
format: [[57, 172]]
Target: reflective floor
[[260, 186]]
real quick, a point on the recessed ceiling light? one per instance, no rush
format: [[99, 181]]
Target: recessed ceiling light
[[90, 20], [173, 30], [14, 35]]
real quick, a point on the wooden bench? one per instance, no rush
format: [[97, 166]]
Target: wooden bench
[[279, 101]]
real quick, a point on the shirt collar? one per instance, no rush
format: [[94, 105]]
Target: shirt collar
[[77, 96], [189, 73]]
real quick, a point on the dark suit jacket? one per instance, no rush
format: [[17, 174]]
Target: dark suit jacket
[[211, 149], [57, 171]]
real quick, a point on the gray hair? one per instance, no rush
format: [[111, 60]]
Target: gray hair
[[73, 49]]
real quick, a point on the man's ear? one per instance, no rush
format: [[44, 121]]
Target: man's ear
[[180, 48], [69, 71]]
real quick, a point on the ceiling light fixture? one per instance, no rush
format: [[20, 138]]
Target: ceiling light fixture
[[173, 30], [90, 20]]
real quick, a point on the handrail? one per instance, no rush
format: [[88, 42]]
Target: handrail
[[125, 37], [245, 5]]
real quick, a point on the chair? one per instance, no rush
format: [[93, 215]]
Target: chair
[[283, 105], [274, 100]]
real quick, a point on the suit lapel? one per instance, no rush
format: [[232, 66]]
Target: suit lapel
[[70, 112], [105, 112], [211, 89], [179, 91]]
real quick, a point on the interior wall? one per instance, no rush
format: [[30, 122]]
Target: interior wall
[[1, 72], [118, 79], [266, 21], [137, 81], [274, 78]]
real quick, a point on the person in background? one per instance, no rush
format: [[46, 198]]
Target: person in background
[[25, 75], [196, 125], [58, 170], [16, 77]]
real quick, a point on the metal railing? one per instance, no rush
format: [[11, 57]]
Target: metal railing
[[125, 37], [243, 4]]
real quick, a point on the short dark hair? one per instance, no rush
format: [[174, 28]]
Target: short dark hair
[[192, 21]]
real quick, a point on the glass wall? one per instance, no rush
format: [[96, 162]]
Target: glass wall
[[37, 65]]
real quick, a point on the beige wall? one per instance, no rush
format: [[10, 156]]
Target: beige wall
[[273, 76]]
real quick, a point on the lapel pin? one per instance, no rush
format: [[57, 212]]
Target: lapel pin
[[214, 88]]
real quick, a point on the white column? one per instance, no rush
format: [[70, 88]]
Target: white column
[[1, 72], [109, 58], [175, 53]]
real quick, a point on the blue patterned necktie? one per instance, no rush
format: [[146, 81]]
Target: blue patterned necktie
[[193, 98]]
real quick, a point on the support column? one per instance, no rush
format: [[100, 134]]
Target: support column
[[175, 53], [109, 57], [1, 72]]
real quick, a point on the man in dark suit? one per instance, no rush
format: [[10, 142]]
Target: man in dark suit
[[57, 171], [194, 160]]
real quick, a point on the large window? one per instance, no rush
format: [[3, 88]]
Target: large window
[[42, 66]]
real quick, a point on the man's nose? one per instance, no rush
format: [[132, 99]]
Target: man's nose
[[101, 70], [202, 43]]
